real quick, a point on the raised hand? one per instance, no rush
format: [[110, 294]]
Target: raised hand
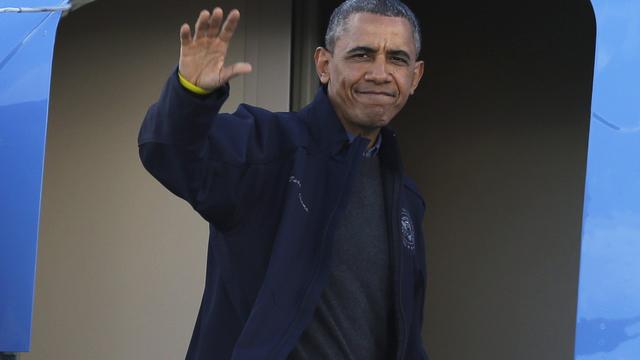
[[202, 56]]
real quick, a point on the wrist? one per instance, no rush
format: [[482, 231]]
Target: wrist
[[191, 86]]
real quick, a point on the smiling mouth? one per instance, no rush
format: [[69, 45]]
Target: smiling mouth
[[377, 93]]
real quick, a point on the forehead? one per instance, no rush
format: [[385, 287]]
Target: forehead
[[373, 30]]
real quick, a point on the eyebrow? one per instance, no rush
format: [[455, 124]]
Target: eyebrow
[[369, 50], [361, 49], [400, 53]]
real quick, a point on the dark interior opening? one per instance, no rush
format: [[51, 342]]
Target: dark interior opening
[[496, 138]]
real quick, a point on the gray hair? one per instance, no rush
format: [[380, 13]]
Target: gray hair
[[391, 8]]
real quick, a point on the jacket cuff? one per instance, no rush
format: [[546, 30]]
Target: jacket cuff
[[181, 116]]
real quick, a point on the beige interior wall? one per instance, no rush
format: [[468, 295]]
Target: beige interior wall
[[121, 260]]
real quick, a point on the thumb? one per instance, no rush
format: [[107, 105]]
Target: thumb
[[229, 72]]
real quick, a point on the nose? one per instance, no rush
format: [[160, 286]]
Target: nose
[[377, 72]]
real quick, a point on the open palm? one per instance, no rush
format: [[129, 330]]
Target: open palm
[[202, 56]]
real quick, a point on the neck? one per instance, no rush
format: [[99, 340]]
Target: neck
[[373, 137], [370, 134], [365, 132]]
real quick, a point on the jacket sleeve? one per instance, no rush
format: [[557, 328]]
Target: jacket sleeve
[[201, 155]]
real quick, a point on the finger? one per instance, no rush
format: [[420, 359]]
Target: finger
[[185, 35], [215, 21], [230, 25], [229, 72], [202, 25]]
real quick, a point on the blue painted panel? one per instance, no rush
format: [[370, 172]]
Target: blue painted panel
[[609, 298], [26, 50]]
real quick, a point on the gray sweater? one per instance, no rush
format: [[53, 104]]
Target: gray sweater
[[354, 319]]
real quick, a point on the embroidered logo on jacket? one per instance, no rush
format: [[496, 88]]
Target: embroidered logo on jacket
[[293, 180], [408, 230]]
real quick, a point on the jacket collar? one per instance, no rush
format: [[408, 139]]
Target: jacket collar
[[390, 151], [323, 122]]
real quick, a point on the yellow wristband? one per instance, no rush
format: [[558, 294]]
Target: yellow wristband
[[192, 87]]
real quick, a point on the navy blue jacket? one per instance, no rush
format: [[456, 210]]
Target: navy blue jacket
[[272, 186]]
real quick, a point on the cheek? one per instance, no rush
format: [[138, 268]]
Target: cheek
[[405, 82], [345, 88], [350, 75]]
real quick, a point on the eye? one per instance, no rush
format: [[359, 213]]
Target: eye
[[399, 60], [360, 56]]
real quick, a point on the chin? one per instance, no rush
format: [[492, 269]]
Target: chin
[[378, 119], [375, 123]]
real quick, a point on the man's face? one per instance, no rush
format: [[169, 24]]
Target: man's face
[[371, 72]]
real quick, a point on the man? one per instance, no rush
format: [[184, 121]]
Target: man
[[316, 248]]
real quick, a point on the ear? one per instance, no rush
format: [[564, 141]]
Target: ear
[[322, 58], [418, 71]]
